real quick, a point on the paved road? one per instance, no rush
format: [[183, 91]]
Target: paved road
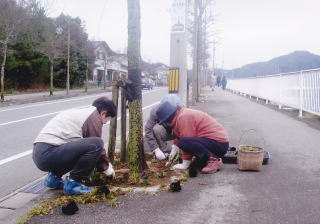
[[19, 125], [285, 191]]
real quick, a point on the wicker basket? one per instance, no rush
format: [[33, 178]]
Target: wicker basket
[[250, 158]]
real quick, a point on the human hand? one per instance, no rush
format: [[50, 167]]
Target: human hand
[[159, 154], [173, 153], [110, 171], [182, 166]]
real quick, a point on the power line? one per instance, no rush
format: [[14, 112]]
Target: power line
[[101, 17]]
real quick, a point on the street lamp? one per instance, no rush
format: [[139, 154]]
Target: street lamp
[[59, 31]]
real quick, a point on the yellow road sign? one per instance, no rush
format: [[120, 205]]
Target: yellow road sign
[[174, 80]]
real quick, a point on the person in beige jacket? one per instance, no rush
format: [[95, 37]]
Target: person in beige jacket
[[71, 142]]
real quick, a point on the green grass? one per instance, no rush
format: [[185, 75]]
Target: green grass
[[145, 182], [161, 175], [9, 91], [46, 206], [250, 148], [309, 115]]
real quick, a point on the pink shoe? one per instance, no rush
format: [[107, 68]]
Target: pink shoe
[[213, 165]]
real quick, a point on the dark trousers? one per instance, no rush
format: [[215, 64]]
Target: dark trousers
[[203, 148], [80, 157]]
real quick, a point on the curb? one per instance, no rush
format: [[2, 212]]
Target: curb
[[15, 205]]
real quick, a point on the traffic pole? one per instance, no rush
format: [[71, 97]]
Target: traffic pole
[[178, 47]]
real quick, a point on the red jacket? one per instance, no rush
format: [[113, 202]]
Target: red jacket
[[195, 123]]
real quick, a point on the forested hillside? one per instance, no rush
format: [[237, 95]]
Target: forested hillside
[[30, 42], [296, 61]]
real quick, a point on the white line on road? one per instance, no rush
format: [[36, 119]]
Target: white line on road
[[17, 156], [28, 152], [44, 115], [66, 100], [53, 102], [29, 118]]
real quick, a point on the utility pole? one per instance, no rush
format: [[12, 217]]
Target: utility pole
[[87, 67], [68, 61], [178, 45], [213, 56], [195, 66], [105, 72]]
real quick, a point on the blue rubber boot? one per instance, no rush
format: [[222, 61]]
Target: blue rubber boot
[[72, 187], [53, 182]]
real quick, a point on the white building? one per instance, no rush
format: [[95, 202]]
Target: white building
[[101, 52], [161, 75], [107, 62]]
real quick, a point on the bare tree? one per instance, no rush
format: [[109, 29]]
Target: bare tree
[[207, 42], [135, 147], [90, 62], [12, 18], [74, 44], [50, 45], [195, 64], [200, 23]]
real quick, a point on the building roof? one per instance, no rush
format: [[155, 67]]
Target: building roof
[[104, 44]]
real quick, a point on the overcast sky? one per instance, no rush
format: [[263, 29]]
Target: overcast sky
[[247, 30]]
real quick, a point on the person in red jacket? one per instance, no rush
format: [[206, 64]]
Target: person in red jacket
[[197, 134]]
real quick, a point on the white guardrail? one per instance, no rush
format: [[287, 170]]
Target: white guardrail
[[300, 90]]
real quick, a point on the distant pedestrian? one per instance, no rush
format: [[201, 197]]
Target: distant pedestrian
[[224, 82], [213, 82], [218, 80], [198, 134], [71, 142], [156, 136]]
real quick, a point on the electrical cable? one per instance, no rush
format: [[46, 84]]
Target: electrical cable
[[101, 17]]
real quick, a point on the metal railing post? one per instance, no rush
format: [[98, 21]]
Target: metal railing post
[[300, 94], [280, 92]]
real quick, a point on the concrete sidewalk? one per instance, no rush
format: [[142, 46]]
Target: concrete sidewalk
[[284, 191]]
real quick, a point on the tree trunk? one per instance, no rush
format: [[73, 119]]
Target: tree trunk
[[104, 74], [199, 48], [135, 148], [68, 60], [87, 79], [4, 52], [123, 126], [113, 122], [51, 76], [87, 63], [199, 62], [195, 55]]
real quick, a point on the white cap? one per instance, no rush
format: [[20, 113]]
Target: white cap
[[173, 99]]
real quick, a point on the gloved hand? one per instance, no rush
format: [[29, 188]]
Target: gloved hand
[[159, 154], [182, 166], [173, 153], [110, 171]]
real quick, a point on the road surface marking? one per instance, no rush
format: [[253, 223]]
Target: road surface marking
[[53, 102], [29, 118], [43, 115], [66, 100], [17, 156]]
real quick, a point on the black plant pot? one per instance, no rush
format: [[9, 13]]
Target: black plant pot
[[103, 190], [175, 186], [70, 208]]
